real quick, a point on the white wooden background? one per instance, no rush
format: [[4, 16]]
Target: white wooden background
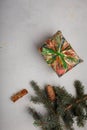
[[24, 25]]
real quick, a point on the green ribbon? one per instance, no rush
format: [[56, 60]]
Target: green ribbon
[[48, 51]]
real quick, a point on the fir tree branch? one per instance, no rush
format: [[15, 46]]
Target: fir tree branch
[[42, 97], [77, 102], [64, 106], [79, 88]]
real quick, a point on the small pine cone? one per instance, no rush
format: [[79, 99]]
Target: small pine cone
[[50, 92]]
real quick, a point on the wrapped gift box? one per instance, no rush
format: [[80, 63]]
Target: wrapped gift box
[[59, 54]]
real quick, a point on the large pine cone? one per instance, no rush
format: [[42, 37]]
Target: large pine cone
[[50, 92]]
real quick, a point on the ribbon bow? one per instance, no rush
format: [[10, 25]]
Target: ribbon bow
[[58, 53]]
